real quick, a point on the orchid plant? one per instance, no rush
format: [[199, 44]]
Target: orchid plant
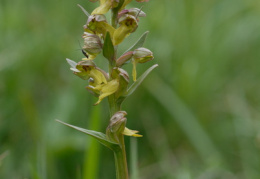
[[101, 37]]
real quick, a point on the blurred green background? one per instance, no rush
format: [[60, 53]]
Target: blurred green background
[[198, 111]]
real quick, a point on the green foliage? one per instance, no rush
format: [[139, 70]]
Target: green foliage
[[101, 137], [135, 85], [108, 49], [139, 42]]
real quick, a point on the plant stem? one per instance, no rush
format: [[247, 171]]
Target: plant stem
[[114, 18], [120, 154], [120, 161], [114, 106]]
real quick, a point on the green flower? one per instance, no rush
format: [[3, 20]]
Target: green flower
[[128, 24], [98, 79], [97, 24], [140, 55], [116, 126], [104, 90]]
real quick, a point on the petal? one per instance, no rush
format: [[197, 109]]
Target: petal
[[120, 34], [97, 76], [130, 132], [106, 89]]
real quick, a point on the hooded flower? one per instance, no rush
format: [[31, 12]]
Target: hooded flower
[[98, 25], [128, 24], [140, 55], [116, 127], [98, 79], [87, 69]]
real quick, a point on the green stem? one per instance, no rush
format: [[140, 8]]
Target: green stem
[[120, 154], [120, 161], [113, 107], [114, 18]]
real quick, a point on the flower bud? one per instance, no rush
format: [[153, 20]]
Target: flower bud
[[124, 58], [116, 126], [92, 43]]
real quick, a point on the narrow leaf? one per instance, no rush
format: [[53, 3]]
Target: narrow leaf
[[84, 10], [139, 43], [133, 87], [108, 48], [101, 137]]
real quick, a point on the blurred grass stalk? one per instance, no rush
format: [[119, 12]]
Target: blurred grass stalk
[[245, 132], [186, 120], [92, 153], [133, 158]]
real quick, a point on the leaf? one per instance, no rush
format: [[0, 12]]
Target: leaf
[[133, 87], [139, 43], [101, 137], [84, 10], [108, 48]]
